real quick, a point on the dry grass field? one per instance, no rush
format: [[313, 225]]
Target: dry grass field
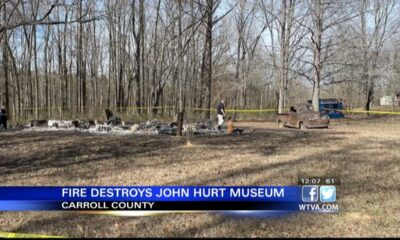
[[364, 153]]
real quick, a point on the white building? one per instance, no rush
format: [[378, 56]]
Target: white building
[[389, 100]]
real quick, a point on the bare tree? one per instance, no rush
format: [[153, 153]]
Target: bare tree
[[5, 58], [208, 12], [289, 34], [373, 36], [167, 57]]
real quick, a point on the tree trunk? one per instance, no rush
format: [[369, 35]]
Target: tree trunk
[[138, 47], [5, 63], [317, 40], [208, 64], [180, 69]]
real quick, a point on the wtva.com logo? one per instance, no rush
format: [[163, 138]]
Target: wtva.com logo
[[327, 194]]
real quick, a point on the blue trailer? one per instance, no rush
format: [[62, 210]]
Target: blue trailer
[[333, 107]]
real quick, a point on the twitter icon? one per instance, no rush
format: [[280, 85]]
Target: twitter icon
[[327, 193]]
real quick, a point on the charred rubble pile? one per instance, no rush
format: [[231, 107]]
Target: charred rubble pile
[[206, 127], [114, 125]]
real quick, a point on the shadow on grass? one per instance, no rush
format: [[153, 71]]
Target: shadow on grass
[[65, 151], [348, 168]]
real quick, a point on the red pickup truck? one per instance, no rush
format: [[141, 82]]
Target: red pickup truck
[[303, 116]]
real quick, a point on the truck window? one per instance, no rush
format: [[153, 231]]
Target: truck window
[[309, 108]]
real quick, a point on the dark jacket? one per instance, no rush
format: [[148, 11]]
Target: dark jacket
[[3, 118], [3, 114], [220, 107]]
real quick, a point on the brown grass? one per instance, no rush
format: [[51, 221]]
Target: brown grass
[[365, 155]]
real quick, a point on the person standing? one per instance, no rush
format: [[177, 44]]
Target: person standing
[[3, 117], [221, 114]]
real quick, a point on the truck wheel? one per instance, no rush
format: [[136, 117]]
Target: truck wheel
[[302, 126], [280, 124]]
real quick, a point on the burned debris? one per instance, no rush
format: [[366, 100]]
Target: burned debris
[[39, 123], [115, 125], [111, 119]]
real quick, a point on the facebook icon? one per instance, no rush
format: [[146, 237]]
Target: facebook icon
[[310, 193]]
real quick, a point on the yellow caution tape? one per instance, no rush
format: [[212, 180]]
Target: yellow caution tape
[[130, 107], [169, 107], [373, 112], [135, 108], [251, 110], [43, 108], [229, 110], [237, 110], [25, 235], [275, 110]]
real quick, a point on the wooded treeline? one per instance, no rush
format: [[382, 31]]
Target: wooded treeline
[[65, 58]]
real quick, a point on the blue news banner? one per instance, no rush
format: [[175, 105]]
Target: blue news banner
[[170, 198]]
